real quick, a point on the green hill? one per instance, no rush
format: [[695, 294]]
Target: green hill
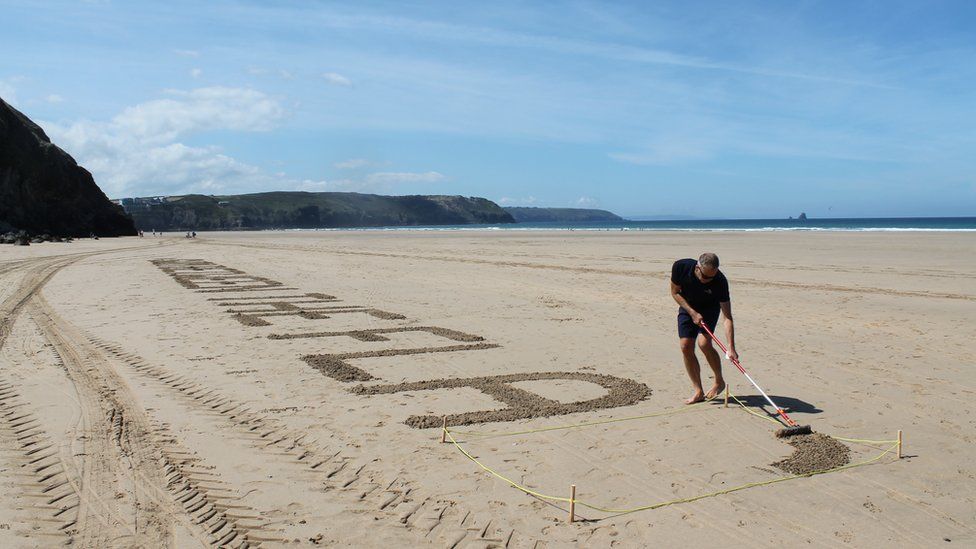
[[561, 215], [304, 210]]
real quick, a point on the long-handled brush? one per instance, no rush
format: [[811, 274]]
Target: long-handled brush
[[792, 428]]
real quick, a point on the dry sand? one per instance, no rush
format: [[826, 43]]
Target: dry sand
[[286, 389]]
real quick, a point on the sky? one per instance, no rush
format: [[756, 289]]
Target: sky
[[703, 109]]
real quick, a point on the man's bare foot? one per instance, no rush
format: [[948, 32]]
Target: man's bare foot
[[697, 397], [715, 391]]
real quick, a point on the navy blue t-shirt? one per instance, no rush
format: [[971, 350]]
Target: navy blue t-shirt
[[701, 297]]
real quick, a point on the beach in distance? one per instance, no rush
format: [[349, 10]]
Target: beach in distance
[[289, 389]]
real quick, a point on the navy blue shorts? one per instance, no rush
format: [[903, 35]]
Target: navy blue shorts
[[686, 328]]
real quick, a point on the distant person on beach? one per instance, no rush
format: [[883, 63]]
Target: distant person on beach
[[702, 291]]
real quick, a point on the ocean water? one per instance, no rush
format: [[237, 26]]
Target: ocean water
[[818, 224]]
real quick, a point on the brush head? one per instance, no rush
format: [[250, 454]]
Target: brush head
[[793, 431]]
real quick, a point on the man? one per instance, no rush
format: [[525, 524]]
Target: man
[[702, 291]]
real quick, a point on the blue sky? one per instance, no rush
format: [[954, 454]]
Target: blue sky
[[707, 109]]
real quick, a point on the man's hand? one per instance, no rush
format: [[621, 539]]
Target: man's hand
[[696, 318], [733, 355]]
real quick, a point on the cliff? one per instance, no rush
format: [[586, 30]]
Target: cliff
[[43, 189], [305, 210], [561, 215]]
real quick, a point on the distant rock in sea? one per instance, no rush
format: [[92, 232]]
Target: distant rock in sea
[[44, 191]]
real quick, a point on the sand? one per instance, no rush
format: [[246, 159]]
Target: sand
[[287, 389], [814, 452]]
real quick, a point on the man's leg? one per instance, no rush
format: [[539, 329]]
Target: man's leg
[[693, 368], [715, 362]]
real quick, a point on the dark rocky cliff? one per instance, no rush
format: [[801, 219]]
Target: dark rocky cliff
[[43, 189]]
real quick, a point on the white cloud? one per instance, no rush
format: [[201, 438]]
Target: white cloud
[[54, 98], [670, 149], [261, 71], [185, 169], [195, 73], [386, 182], [587, 202], [309, 185], [202, 109], [187, 53], [8, 93], [138, 151], [653, 157], [509, 201], [336, 79], [387, 178], [351, 164]]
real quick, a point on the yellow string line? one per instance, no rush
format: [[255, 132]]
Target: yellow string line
[[736, 488], [506, 479], [696, 406], [746, 408], [585, 424], [863, 441], [858, 440], [584, 503], [665, 503]]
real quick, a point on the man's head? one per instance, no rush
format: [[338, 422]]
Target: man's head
[[708, 265]]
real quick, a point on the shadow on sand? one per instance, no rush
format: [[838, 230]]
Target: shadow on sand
[[790, 404]]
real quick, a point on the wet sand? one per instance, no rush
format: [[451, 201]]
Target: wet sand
[[288, 389]]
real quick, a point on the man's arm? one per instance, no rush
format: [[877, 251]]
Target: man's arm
[[695, 317], [729, 327]]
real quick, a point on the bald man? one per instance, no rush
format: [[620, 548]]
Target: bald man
[[702, 291]]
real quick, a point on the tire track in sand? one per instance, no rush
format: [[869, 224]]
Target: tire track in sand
[[350, 478], [117, 457], [52, 499], [64, 490], [79, 474], [168, 483]]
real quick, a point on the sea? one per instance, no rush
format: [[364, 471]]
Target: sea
[[815, 224]]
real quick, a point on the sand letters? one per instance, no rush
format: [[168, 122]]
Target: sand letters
[[280, 308], [522, 404], [206, 277], [334, 365]]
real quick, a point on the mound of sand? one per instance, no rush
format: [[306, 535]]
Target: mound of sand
[[815, 452]]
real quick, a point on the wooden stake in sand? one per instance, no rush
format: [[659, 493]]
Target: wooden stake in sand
[[899, 443], [726, 395], [444, 430], [572, 502]]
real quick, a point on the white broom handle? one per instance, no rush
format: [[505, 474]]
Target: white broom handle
[[758, 388], [741, 369]]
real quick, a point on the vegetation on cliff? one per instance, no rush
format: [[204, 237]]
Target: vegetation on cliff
[[305, 210], [561, 215]]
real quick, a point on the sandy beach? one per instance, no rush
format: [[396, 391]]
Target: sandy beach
[[287, 389]]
